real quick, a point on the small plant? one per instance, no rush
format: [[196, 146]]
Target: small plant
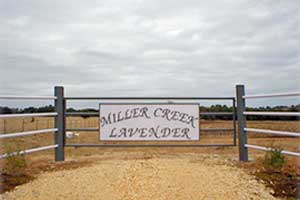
[[274, 159], [14, 171], [15, 163]]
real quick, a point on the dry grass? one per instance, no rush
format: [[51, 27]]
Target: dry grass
[[27, 124], [43, 161]]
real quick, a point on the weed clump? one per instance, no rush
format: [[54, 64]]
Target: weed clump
[[13, 171], [274, 159], [15, 162]]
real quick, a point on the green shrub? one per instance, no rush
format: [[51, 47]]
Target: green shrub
[[274, 159]]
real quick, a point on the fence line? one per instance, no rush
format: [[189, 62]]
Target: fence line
[[58, 129], [60, 114], [241, 108]]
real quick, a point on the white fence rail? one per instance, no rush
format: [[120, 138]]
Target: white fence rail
[[273, 113], [270, 149], [28, 115], [11, 135], [259, 96], [28, 97], [284, 133], [29, 151]]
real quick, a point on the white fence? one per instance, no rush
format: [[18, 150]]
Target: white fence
[[57, 130], [243, 131], [60, 117]]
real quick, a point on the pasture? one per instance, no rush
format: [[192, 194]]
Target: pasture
[[139, 182], [34, 123]]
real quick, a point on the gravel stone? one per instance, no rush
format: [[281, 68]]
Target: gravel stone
[[182, 176]]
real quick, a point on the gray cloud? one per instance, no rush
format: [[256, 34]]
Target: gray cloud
[[149, 48]]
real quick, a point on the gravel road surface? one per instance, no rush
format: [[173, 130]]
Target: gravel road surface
[[138, 176]]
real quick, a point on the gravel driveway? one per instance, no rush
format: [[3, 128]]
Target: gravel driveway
[[137, 176]]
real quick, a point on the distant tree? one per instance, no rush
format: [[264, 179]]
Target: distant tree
[[212, 108], [71, 110], [48, 108], [6, 110]]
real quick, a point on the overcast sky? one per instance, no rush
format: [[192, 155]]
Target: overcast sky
[[150, 48]]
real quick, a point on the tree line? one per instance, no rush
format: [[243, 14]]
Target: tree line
[[213, 108]]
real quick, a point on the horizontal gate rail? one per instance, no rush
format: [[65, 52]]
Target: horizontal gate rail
[[28, 97], [82, 129], [149, 98], [216, 129], [203, 129], [216, 113], [148, 145], [97, 113], [270, 149], [284, 133], [82, 114], [29, 151], [11, 135], [29, 115], [291, 94], [273, 113]]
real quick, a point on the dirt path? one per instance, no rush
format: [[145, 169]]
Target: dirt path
[[139, 176]]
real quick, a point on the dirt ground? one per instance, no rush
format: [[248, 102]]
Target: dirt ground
[[145, 175]]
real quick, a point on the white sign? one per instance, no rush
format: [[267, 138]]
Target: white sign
[[149, 122]]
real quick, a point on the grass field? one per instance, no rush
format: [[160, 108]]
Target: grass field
[[27, 124], [77, 157]]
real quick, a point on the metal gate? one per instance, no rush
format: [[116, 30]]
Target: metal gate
[[155, 99]]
